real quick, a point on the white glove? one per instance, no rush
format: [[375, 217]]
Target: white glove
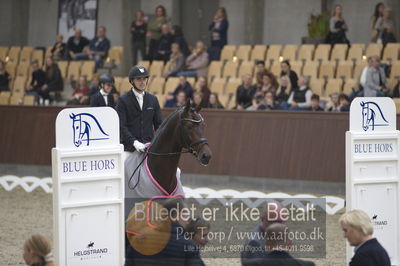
[[139, 146]]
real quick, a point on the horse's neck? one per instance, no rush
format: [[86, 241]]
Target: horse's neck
[[164, 167]]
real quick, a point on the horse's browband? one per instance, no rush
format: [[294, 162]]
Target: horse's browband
[[192, 120]]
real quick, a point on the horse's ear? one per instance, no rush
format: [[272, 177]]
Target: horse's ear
[[187, 106], [198, 108]]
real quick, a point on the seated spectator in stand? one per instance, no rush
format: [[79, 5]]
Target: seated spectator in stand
[[176, 62], [98, 48], [219, 33], [76, 43], [269, 100], [197, 62], [59, 50], [259, 73], [80, 95], [337, 27], [214, 102], [358, 229], [181, 99], [203, 88], [257, 103], [164, 46], [245, 92], [334, 105], [5, 78], [385, 27], [278, 249], [344, 103], [54, 81], [300, 98], [37, 80], [37, 251], [185, 86], [198, 100], [198, 229], [269, 83], [358, 91], [105, 96], [94, 85], [315, 104], [283, 91], [178, 38], [287, 71], [375, 83]]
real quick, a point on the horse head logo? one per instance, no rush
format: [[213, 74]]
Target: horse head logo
[[85, 127], [372, 116]]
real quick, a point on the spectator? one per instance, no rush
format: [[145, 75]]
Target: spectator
[[185, 86], [197, 62], [287, 71], [38, 79], [98, 48], [205, 91], [300, 98], [245, 92], [164, 44], [385, 27], [178, 38], [80, 95], [154, 31], [176, 61], [358, 229], [94, 85], [377, 14], [315, 104], [105, 96], [138, 32], [269, 83], [269, 100], [358, 91], [198, 228], [333, 105], [257, 103], [260, 72], [4, 78], [54, 81], [278, 249], [344, 103], [375, 83], [219, 33], [337, 27], [214, 102], [283, 91], [198, 100], [76, 43], [59, 50], [181, 99], [37, 251]]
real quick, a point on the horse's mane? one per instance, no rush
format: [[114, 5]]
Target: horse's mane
[[164, 124]]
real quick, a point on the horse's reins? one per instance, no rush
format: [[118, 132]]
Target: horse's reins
[[189, 147]]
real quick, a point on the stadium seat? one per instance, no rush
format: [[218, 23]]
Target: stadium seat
[[359, 68], [311, 69], [145, 64], [374, 49], [395, 72], [117, 82], [156, 69], [356, 52], [48, 52], [218, 85], [157, 85], [125, 85], [273, 53], [392, 83], [258, 52], [339, 52], [228, 52], [13, 54], [345, 69], [322, 52], [243, 52], [16, 99], [161, 99], [19, 84], [115, 55], [11, 68], [396, 102], [26, 54], [74, 70], [171, 85], [349, 85], [275, 68], [3, 52], [289, 52], [191, 81], [214, 70], [317, 86], [63, 66], [5, 97], [306, 52], [327, 69], [29, 100], [37, 55], [87, 69], [246, 68], [230, 69], [232, 85], [296, 66], [333, 85], [391, 52], [23, 69]]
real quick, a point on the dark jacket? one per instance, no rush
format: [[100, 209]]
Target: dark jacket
[[97, 100], [100, 46], [55, 81], [293, 78], [182, 44], [137, 124], [38, 79], [371, 253], [187, 89], [222, 31], [278, 258], [164, 46], [245, 96], [77, 48]]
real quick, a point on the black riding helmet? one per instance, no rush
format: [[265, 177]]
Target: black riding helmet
[[138, 72], [105, 78]]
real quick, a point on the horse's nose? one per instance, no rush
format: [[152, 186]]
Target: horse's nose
[[205, 158]]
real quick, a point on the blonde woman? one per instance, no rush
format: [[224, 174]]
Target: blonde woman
[[284, 90], [37, 251], [337, 27], [176, 61], [358, 230]]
